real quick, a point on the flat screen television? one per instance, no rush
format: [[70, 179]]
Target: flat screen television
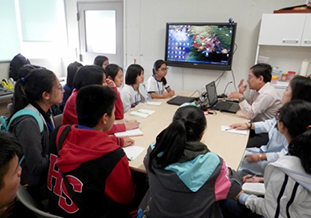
[[200, 45]]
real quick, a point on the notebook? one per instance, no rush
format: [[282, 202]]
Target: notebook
[[179, 100], [219, 105]]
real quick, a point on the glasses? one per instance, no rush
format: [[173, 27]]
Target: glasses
[[164, 69]]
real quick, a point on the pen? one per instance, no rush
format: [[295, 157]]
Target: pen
[[129, 159], [228, 129], [126, 121]]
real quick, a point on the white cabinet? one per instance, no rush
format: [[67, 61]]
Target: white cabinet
[[286, 40], [285, 30]]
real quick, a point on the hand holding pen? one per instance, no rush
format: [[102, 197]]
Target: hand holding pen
[[252, 178]]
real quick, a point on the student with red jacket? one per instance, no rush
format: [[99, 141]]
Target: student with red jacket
[[89, 75], [89, 174]]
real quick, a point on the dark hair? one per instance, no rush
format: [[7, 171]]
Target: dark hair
[[112, 70], [17, 62], [88, 75], [263, 70], [26, 69], [9, 147], [296, 117], [132, 72], [99, 60], [30, 88], [93, 102], [71, 72], [156, 66], [301, 88], [188, 124]]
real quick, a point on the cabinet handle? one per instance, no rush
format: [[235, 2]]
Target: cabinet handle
[[307, 41], [291, 41]]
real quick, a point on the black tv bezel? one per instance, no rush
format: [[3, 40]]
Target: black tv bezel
[[201, 65]]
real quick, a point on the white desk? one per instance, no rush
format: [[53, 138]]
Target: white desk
[[228, 145]]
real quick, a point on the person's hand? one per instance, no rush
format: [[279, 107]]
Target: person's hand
[[252, 158], [242, 87], [165, 95], [110, 83], [237, 95], [239, 126], [238, 195], [132, 124], [171, 94], [252, 179], [128, 141]]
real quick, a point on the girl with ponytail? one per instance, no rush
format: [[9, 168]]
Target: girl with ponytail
[[185, 177], [37, 92], [288, 180]]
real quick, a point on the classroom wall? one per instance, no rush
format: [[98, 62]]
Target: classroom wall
[[144, 32]]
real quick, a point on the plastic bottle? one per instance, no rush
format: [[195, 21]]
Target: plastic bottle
[[304, 68]]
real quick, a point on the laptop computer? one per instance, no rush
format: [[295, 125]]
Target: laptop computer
[[219, 105], [179, 100]]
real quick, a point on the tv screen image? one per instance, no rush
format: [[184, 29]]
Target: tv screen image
[[200, 45]]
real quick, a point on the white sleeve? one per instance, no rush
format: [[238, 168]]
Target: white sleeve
[[152, 85], [264, 126], [127, 98]]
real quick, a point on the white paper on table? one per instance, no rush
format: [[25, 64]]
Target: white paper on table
[[254, 188], [132, 132], [142, 113], [154, 103], [230, 130], [133, 151]]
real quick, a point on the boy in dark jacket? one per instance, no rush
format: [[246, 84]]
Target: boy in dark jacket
[[89, 176]]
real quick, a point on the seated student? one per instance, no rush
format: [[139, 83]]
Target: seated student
[[157, 84], [133, 91], [38, 91], [68, 87], [115, 73], [185, 178], [256, 159], [288, 180], [95, 167], [101, 61], [90, 75], [17, 62]]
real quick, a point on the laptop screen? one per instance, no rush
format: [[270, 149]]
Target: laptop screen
[[211, 93]]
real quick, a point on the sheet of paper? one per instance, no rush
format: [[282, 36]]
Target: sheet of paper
[[133, 151], [142, 113], [230, 130], [254, 188], [132, 132], [154, 103]]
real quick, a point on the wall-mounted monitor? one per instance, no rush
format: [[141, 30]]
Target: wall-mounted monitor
[[200, 45]]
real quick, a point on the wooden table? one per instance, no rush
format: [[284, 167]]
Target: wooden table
[[227, 145]]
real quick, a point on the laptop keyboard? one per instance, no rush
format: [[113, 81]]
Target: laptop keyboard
[[223, 106]]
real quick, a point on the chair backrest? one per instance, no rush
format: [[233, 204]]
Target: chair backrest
[[58, 119], [10, 108], [26, 199]]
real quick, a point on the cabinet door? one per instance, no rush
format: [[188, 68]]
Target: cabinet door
[[281, 29], [306, 37]]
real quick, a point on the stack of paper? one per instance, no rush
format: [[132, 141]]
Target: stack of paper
[[142, 113], [230, 130], [254, 188], [154, 103], [132, 132], [133, 151]]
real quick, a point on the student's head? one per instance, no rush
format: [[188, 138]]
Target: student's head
[[134, 74], [10, 171], [17, 62], [295, 124], [95, 106], [160, 70], [101, 61], [71, 72], [88, 75], [298, 88], [188, 125], [115, 73], [259, 75], [39, 86], [26, 69]]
